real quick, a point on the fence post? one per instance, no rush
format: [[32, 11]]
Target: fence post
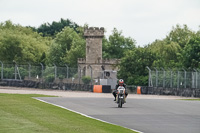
[[1, 70], [178, 80], [184, 77], [79, 75], [150, 78], [163, 77], [170, 78], [55, 73], [15, 69], [42, 71], [196, 77], [67, 69], [91, 74], [29, 71], [156, 76]]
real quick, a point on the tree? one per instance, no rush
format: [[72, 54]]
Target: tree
[[191, 52], [48, 29], [167, 53], [21, 44], [117, 45], [133, 66], [180, 35], [77, 51], [66, 48]]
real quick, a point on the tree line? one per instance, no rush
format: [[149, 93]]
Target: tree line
[[63, 42]]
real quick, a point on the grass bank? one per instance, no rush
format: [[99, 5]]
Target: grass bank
[[192, 99], [23, 114]]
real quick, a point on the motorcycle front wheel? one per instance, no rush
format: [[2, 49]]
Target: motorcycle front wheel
[[120, 103]]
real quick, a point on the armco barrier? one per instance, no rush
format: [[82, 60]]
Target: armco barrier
[[40, 85], [138, 90], [102, 88], [106, 89], [97, 88]]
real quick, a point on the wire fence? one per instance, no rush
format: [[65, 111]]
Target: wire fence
[[38, 72], [168, 78], [52, 77]]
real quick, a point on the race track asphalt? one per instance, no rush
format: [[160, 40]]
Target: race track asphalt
[[145, 115]]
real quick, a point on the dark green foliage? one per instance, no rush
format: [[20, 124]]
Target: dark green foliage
[[180, 35], [9, 73], [49, 74], [49, 78], [52, 29], [191, 53], [179, 49], [86, 79], [66, 48], [117, 45], [21, 44], [133, 66]]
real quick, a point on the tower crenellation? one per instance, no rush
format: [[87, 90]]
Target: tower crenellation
[[94, 32]]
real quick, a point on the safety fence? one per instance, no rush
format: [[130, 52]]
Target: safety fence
[[39, 73], [46, 77], [176, 78], [179, 82]]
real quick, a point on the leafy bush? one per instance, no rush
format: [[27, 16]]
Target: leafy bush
[[49, 78], [9, 73], [86, 79]]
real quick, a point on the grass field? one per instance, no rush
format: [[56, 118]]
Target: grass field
[[192, 99], [23, 114]]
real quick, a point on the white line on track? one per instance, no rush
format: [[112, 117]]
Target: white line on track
[[83, 114]]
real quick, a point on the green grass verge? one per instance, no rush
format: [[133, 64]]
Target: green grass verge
[[192, 99], [23, 114]]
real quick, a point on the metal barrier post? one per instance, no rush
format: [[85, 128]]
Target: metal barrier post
[[163, 77], [42, 71], [178, 79], [1, 69], [29, 70], [196, 77], [156, 76], [67, 70], [184, 77], [15, 70], [91, 74], [55, 67], [170, 77], [150, 78], [79, 75]]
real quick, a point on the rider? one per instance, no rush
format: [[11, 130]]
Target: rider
[[120, 83]]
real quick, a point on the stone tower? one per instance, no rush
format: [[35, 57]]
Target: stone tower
[[93, 38], [93, 63]]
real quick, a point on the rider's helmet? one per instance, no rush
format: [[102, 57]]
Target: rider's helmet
[[121, 82]]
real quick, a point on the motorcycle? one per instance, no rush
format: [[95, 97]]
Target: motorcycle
[[120, 96]]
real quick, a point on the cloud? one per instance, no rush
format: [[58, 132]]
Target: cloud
[[143, 20]]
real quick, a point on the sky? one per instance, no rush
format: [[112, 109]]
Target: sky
[[143, 20]]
